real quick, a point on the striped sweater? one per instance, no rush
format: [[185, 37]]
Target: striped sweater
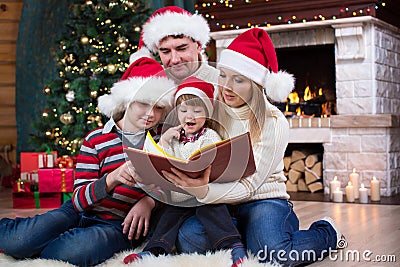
[[101, 153]]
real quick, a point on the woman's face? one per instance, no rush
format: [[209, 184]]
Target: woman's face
[[234, 88]]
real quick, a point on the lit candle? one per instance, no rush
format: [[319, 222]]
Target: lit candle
[[354, 179], [375, 190], [363, 194], [350, 192], [337, 195], [333, 185]]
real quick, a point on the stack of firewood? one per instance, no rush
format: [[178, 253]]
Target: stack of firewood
[[303, 169]]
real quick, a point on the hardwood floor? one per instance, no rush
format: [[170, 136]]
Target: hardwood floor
[[372, 230]]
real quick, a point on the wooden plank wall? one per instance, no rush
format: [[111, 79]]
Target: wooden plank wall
[[10, 13]]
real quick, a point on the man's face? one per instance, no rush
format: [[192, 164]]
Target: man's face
[[180, 56]]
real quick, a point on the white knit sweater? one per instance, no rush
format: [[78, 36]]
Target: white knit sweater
[[269, 180], [185, 150], [206, 73]]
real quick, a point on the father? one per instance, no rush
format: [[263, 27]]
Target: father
[[179, 38]]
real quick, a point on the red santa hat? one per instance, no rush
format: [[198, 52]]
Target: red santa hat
[[167, 21], [199, 88], [253, 55], [144, 81]]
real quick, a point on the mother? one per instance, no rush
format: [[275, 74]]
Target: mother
[[259, 203]]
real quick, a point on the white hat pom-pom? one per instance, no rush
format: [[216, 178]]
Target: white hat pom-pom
[[107, 105], [142, 52], [279, 85]]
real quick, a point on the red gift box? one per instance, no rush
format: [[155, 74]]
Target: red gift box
[[36, 200], [29, 161], [21, 186], [56, 180]]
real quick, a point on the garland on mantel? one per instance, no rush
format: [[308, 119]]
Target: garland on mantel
[[280, 19]]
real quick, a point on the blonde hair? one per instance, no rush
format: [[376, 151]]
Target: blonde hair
[[257, 111]]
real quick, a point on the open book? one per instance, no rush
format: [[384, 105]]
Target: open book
[[230, 160]]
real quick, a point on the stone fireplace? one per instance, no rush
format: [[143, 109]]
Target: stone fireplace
[[365, 132]]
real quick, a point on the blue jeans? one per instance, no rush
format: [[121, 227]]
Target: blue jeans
[[220, 230], [63, 234], [270, 230]]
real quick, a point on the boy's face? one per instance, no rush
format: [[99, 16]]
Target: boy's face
[[191, 117], [142, 116], [180, 56]]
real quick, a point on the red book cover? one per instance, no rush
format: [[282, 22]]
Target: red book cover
[[230, 160]]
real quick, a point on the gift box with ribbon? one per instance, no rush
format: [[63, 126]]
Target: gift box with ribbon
[[36, 200], [65, 162], [21, 185], [56, 180], [32, 161]]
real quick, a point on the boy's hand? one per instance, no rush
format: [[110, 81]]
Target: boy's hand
[[124, 174], [137, 221], [173, 132]]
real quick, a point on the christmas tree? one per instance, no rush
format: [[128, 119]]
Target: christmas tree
[[93, 53]]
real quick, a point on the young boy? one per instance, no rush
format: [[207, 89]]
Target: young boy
[[194, 104], [91, 228]]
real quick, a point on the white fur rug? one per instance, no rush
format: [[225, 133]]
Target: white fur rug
[[217, 259]]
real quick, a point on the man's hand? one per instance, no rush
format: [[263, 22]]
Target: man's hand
[[137, 221]]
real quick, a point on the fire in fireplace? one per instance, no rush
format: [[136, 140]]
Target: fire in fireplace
[[314, 69]]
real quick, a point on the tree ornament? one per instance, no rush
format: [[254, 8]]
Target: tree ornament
[[93, 94], [66, 85], [49, 133], [77, 143], [93, 58], [67, 118], [45, 113], [70, 96], [64, 142], [46, 90], [90, 119], [84, 40], [70, 58], [111, 68], [89, 2], [122, 43]]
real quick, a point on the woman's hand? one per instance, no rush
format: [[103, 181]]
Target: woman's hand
[[124, 174], [197, 187], [137, 221]]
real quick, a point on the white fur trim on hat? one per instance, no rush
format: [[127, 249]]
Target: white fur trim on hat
[[173, 23], [142, 52], [154, 90], [197, 92], [277, 85]]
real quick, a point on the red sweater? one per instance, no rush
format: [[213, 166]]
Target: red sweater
[[101, 153]]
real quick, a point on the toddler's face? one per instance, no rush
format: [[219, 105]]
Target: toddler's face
[[191, 117]]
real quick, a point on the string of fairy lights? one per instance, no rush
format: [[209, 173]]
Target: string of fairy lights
[[206, 8]]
